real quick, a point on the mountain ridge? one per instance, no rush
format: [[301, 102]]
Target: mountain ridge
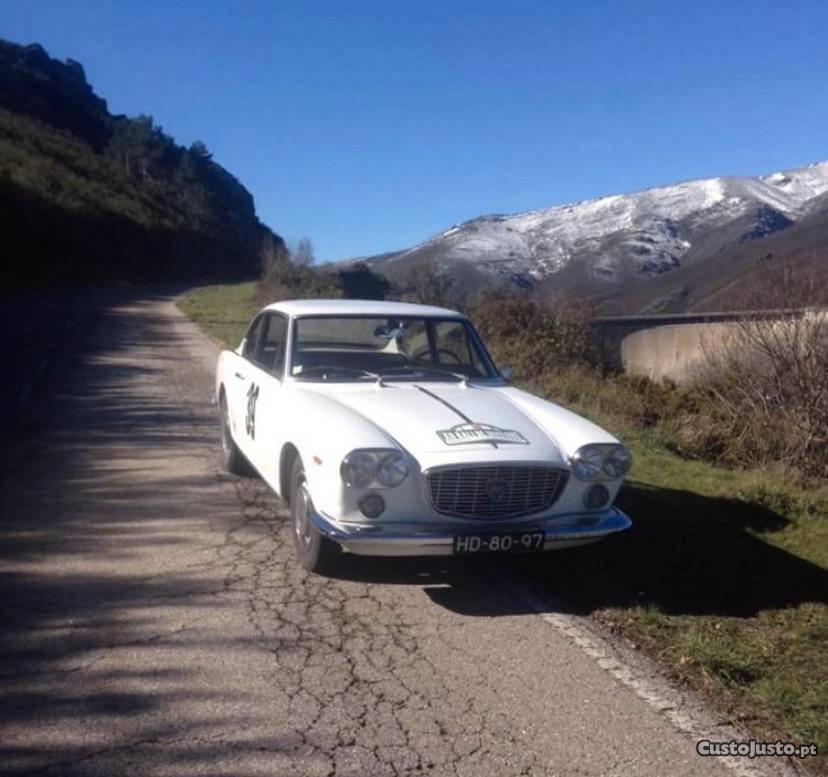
[[592, 247]]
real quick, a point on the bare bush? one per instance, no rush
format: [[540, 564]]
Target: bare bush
[[768, 387], [297, 283], [428, 285]]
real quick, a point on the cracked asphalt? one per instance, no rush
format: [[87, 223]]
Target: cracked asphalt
[[155, 621]]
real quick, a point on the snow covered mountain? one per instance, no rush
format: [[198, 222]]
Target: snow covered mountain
[[607, 244]]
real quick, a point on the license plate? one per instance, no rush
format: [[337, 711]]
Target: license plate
[[508, 542]]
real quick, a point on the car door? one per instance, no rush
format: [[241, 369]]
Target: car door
[[265, 401], [238, 386]]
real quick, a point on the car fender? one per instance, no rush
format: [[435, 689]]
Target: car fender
[[569, 430], [323, 431]]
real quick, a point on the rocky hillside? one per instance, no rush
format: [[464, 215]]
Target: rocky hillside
[[86, 196], [660, 249]]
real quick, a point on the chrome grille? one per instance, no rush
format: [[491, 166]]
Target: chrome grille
[[494, 492]]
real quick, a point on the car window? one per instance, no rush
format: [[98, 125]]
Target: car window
[[270, 354], [364, 347], [251, 339], [453, 346], [414, 340]]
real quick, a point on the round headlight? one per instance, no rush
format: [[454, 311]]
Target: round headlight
[[392, 469], [617, 462], [372, 505], [587, 463], [358, 469], [596, 496]]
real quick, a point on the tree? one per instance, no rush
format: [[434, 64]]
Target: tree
[[199, 150], [302, 253], [141, 148], [360, 282]]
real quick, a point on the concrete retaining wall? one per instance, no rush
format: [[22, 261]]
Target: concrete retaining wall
[[670, 346]]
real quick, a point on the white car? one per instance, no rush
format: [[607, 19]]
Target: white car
[[389, 431]]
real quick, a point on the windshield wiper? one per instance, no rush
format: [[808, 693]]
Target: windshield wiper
[[324, 369], [411, 370]]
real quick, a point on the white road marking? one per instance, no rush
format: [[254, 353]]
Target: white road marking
[[653, 690]]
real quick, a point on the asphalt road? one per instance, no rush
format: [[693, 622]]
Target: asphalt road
[[155, 621]]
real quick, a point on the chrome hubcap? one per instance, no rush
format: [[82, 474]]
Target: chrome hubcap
[[301, 515]]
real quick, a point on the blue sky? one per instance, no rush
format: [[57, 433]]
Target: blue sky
[[372, 126]]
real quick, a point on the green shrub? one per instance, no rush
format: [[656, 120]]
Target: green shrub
[[534, 339], [286, 280]]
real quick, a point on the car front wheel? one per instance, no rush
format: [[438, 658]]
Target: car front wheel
[[316, 552]]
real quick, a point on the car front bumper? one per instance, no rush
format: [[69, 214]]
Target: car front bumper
[[560, 531]]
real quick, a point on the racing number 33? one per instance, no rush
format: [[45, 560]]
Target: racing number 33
[[250, 418]]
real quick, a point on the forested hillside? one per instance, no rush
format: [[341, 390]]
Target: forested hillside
[[86, 196]]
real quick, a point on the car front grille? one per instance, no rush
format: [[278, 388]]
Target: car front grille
[[494, 492]]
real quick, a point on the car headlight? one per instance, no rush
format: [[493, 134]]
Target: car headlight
[[392, 469], [596, 496], [372, 505], [587, 463], [597, 462], [358, 469], [383, 468], [617, 462]]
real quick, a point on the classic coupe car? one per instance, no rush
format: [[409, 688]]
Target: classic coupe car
[[389, 431]]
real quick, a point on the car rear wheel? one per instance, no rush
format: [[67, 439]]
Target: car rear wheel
[[316, 552], [234, 461]]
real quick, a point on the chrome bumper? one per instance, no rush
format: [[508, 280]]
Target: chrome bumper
[[561, 531]]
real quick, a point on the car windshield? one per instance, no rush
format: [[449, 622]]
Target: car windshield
[[353, 348]]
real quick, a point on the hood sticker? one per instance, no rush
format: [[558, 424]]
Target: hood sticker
[[464, 434]]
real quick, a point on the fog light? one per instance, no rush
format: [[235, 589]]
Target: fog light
[[596, 496], [372, 505]]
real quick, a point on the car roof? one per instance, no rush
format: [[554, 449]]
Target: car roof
[[357, 307]]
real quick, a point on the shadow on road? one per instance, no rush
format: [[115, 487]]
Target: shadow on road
[[106, 470], [101, 483], [686, 554]]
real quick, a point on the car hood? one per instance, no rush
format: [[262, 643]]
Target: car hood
[[442, 423]]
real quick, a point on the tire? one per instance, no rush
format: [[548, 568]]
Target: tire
[[233, 458], [315, 552]]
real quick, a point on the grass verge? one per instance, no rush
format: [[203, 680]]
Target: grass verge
[[723, 579], [223, 312]]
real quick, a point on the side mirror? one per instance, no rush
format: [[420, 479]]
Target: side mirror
[[240, 349], [505, 371]]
